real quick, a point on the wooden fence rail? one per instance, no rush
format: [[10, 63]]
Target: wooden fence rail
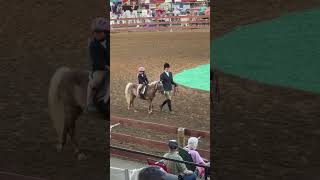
[[157, 127], [159, 145], [160, 23]]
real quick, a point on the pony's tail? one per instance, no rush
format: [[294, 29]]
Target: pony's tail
[[127, 93], [55, 105]]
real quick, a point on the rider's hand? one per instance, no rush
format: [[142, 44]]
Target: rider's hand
[[188, 172], [207, 164]]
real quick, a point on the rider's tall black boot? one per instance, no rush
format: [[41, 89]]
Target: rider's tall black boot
[[169, 105], [164, 102]]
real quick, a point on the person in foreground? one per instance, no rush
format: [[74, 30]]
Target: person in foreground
[[155, 173], [192, 150], [176, 168], [167, 80], [99, 60]]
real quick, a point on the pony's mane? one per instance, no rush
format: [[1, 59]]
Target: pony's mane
[[153, 83]]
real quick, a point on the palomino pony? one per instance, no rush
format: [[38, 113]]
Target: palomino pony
[[67, 101], [150, 94]]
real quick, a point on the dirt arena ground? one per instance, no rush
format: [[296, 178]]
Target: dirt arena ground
[[261, 131], [181, 50], [36, 38]]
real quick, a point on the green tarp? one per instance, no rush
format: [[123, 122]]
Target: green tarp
[[283, 51], [197, 78]]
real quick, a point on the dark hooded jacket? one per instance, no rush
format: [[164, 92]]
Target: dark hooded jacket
[[99, 55]]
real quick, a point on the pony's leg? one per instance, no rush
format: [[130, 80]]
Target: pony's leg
[[129, 105], [72, 133], [63, 139], [150, 107], [132, 105], [71, 117]]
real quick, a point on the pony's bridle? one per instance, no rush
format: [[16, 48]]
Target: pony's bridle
[[156, 86]]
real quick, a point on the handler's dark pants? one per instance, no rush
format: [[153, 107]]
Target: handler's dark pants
[[190, 177], [167, 94]]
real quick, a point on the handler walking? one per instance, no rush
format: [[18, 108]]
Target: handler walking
[[100, 61], [167, 80]]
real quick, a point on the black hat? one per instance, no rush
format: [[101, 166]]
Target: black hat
[[166, 65], [155, 173], [173, 144]]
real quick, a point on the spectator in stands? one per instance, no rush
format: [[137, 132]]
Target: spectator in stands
[[192, 149], [113, 7], [176, 11], [153, 13], [177, 168], [202, 9], [155, 173], [207, 11]]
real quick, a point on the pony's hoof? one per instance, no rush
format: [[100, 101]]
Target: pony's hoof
[[135, 111], [81, 156], [150, 112], [59, 147]]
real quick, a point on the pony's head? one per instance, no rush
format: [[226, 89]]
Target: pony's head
[[158, 86]]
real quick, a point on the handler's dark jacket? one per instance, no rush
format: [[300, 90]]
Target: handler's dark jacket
[[167, 81], [142, 79], [99, 55]]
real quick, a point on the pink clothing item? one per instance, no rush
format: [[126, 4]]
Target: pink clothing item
[[196, 156], [198, 160], [207, 12]]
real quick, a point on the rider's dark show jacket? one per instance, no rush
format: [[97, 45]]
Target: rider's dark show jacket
[[142, 79], [99, 55], [167, 81]]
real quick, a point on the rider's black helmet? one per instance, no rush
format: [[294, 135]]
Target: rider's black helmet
[[100, 24], [166, 65]]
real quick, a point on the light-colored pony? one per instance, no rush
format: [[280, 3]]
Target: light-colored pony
[[131, 94], [67, 101]]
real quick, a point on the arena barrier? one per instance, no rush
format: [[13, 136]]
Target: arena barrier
[[181, 133], [119, 173], [14, 176], [169, 23]]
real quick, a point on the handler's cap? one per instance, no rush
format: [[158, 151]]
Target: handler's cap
[[173, 144], [99, 24], [155, 173], [166, 65]]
